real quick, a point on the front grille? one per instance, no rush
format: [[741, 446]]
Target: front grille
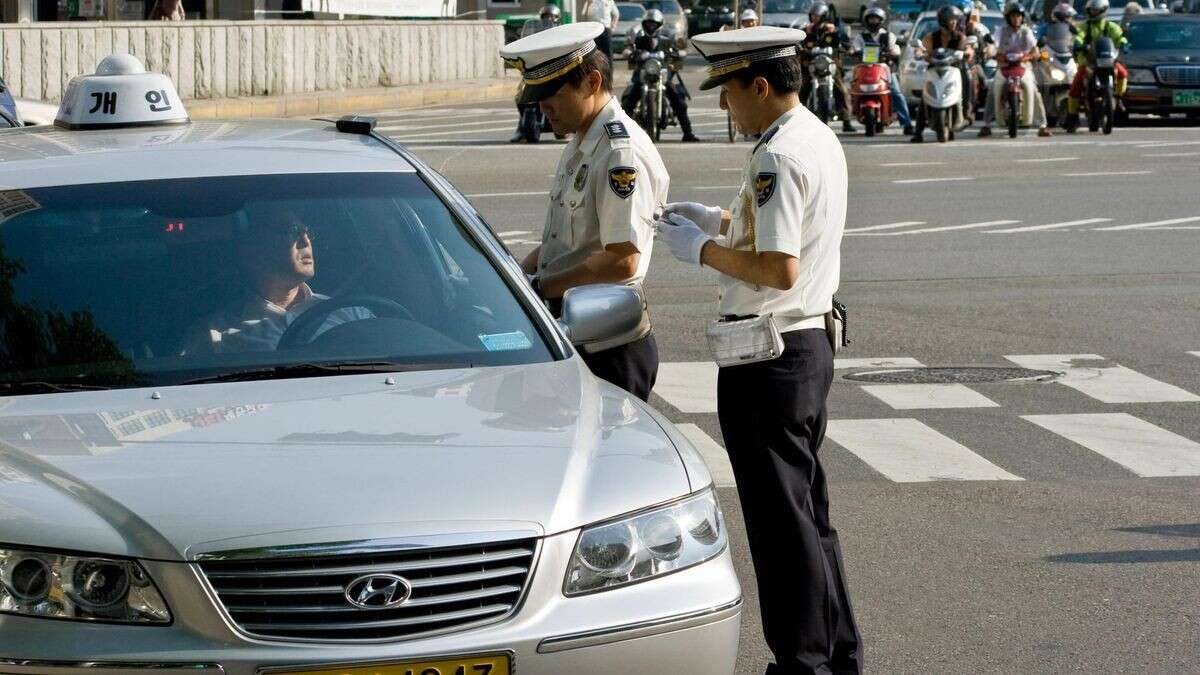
[[1185, 76], [304, 598]]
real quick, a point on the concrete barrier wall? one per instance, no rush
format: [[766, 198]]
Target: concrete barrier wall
[[234, 59]]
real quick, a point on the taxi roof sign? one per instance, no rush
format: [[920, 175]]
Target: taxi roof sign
[[120, 94]]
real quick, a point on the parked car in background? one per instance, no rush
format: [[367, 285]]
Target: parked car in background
[[1164, 66], [631, 16], [707, 16], [786, 13], [673, 15]]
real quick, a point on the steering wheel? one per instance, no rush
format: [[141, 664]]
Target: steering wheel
[[304, 329]]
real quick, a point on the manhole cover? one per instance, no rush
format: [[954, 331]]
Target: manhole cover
[[953, 375]]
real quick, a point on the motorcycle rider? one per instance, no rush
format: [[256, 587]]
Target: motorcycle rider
[[1132, 9], [549, 16], [1096, 26], [949, 35], [748, 19], [1014, 37], [985, 49], [653, 37], [875, 31], [825, 31], [1063, 14]]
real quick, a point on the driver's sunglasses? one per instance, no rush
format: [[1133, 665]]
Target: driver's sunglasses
[[296, 233]]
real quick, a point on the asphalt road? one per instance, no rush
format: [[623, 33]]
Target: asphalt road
[[1008, 527]]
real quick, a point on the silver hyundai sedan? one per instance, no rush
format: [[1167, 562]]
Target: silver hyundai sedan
[[276, 400]]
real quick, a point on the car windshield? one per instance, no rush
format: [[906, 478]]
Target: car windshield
[[1165, 34], [786, 6], [666, 6], [171, 281], [630, 12]]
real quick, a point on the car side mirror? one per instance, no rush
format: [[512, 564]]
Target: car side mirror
[[602, 316]]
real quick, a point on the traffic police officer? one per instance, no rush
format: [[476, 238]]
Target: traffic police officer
[[782, 258], [607, 187]]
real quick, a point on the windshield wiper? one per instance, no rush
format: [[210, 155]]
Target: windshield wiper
[[43, 387], [296, 370]]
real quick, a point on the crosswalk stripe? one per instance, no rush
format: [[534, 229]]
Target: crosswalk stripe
[[1050, 226], [1142, 226], [714, 455], [1195, 354], [1103, 380], [1137, 445], [689, 386], [929, 396], [908, 451]]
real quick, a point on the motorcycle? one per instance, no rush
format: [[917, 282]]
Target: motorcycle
[[942, 103], [653, 112], [1055, 70], [820, 70], [1100, 100], [871, 92], [1014, 93]]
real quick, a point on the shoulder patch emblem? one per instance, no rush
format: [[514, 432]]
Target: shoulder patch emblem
[[581, 176], [616, 130], [622, 180], [764, 187]]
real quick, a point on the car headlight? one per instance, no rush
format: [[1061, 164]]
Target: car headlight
[[1141, 76], [35, 583], [646, 545]]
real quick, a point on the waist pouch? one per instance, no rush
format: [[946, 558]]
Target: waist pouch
[[743, 341]]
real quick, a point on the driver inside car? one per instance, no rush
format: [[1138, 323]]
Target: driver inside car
[[277, 257]]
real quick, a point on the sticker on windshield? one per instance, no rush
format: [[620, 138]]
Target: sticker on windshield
[[505, 342]]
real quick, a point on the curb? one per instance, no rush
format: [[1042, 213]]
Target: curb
[[353, 100]]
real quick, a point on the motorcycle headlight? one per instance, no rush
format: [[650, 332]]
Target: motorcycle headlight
[[1058, 75], [34, 583], [1141, 76], [653, 67], [646, 545]]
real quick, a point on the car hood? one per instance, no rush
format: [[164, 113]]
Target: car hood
[[182, 471], [1155, 57]]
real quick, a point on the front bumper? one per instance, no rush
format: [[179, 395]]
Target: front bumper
[[688, 621], [1155, 99]]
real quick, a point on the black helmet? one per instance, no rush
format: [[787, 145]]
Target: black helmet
[[1014, 7], [818, 12], [653, 17], [949, 17], [550, 13]]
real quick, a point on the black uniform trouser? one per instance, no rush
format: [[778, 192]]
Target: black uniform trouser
[[632, 367], [629, 101], [773, 420]]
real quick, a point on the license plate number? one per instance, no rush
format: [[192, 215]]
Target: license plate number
[[491, 664], [1190, 97]]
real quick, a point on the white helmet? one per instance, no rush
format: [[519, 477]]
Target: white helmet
[[1096, 8], [747, 15]]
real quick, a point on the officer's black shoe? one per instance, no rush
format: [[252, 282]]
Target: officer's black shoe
[[690, 138]]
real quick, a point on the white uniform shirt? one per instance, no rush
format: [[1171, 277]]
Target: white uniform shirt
[[792, 200], [608, 184], [257, 324], [602, 11]]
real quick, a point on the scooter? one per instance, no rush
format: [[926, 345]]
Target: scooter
[[820, 70], [1014, 93], [871, 91], [1055, 71], [1100, 100], [942, 96]]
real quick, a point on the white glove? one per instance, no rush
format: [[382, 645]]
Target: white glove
[[684, 237], [707, 217]]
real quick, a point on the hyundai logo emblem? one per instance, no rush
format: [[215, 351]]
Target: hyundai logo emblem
[[378, 591]]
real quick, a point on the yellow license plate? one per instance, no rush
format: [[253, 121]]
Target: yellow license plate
[[490, 664]]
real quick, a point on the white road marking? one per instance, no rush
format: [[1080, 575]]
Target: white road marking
[[1046, 159], [897, 362], [929, 396], [714, 455], [1196, 354], [1103, 380], [514, 233], [1050, 226], [1174, 154], [1142, 226], [689, 386], [480, 195], [948, 228], [1165, 144], [1181, 227], [909, 181], [1090, 174], [1132, 442], [737, 170], [888, 226], [907, 451], [911, 163]]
